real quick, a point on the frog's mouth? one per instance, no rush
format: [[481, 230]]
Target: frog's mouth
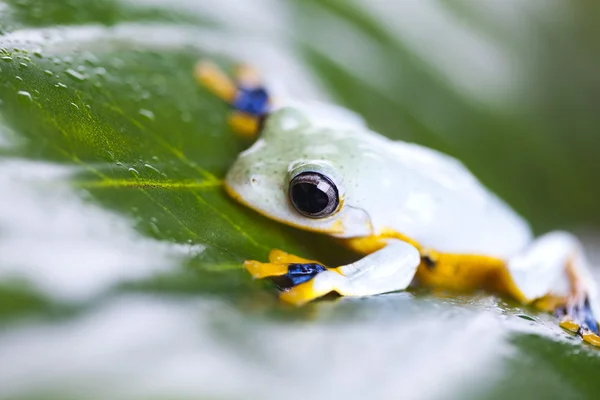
[[349, 222], [336, 227]]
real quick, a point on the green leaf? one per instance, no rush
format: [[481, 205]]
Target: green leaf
[[120, 253]]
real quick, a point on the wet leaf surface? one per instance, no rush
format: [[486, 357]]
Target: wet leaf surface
[[120, 267]]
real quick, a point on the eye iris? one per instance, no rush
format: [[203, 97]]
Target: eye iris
[[313, 195]]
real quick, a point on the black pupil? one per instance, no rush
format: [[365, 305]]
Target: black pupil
[[309, 198]]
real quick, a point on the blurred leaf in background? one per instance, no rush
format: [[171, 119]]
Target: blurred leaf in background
[[120, 253]]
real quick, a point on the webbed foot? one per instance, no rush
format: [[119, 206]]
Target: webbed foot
[[299, 279], [577, 317], [248, 98]]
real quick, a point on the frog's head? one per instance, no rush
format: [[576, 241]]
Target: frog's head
[[294, 173]]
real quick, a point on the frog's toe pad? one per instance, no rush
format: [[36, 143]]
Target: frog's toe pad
[[300, 294], [313, 288], [261, 270], [569, 325]]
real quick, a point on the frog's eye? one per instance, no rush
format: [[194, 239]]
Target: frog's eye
[[314, 195]]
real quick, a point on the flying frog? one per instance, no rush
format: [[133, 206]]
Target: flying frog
[[418, 216]]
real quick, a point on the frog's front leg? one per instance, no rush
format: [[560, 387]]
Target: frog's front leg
[[385, 270], [248, 98]]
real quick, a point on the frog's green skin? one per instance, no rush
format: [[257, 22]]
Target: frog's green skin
[[429, 199]]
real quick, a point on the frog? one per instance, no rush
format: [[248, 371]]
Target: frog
[[415, 216]]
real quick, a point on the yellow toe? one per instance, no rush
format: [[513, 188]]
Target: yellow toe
[[301, 294], [281, 257], [591, 338], [213, 78], [245, 125], [569, 325], [263, 270]]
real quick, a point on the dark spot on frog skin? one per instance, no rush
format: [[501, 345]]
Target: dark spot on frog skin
[[428, 261]]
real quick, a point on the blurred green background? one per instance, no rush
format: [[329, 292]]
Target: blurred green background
[[120, 254]]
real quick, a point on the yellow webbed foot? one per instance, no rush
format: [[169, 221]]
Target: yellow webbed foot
[[301, 280], [577, 317], [587, 335], [245, 93]]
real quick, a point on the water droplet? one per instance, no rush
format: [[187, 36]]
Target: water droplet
[[23, 65], [152, 168], [134, 172], [147, 114], [17, 77], [75, 105], [37, 53], [24, 95], [90, 58], [27, 59], [61, 85], [6, 58], [154, 228], [48, 72], [75, 75]]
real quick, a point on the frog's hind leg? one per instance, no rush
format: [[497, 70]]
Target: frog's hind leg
[[553, 274], [246, 95]]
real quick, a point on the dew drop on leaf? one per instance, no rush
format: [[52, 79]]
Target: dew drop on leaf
[[75, 75], [134, 172], [147, 114], [152, 168], [24, 95]]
